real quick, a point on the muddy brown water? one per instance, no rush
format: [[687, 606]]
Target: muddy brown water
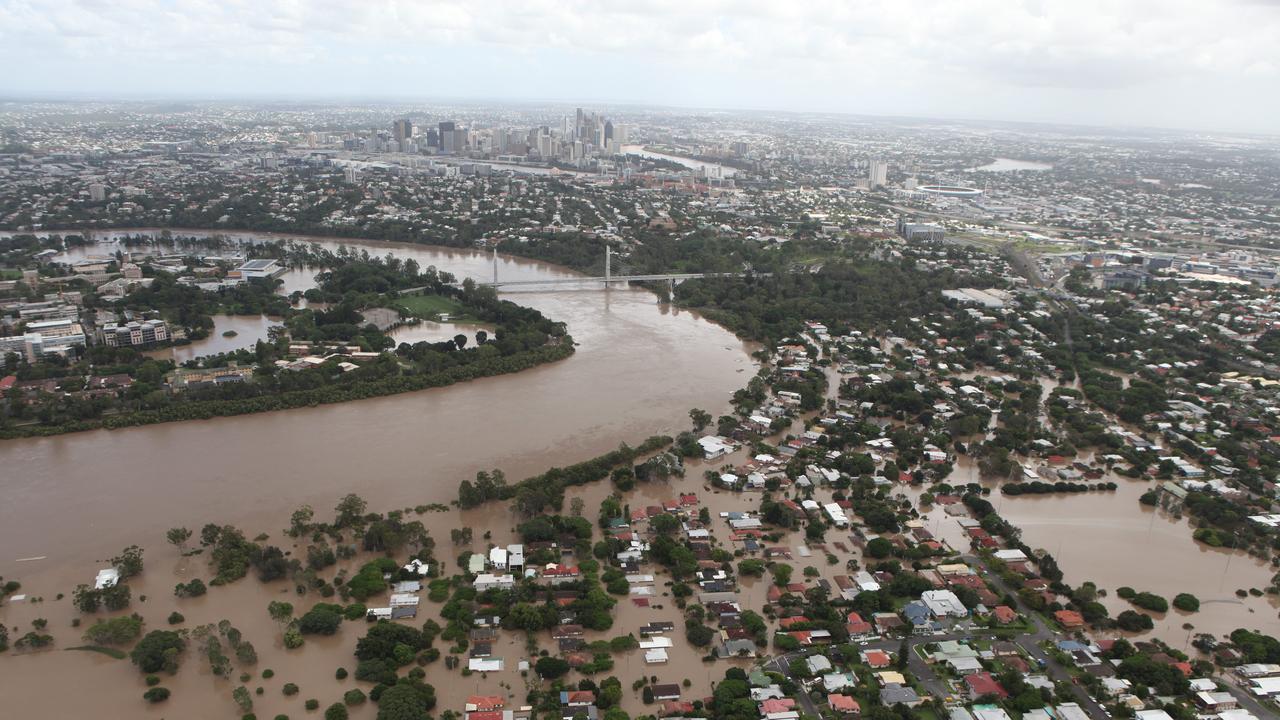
[[639, 368], [74, 500]]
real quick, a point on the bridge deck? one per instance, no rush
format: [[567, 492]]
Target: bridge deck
[[617, 278]]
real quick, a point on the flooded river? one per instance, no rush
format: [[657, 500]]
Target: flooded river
[[639, 368]]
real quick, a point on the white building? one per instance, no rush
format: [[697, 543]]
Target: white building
[[489, 581], [943, 603]]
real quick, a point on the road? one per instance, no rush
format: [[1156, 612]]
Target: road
[[1030, 642], [938, 688]]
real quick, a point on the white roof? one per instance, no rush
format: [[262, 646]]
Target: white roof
[[655, 655], [106, 578]]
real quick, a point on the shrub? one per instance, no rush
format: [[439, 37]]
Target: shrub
[[1131, 621], [156, 694], [341, 674], [289, 689], [1186, 602], [116, 631], [311, 704], [176, 618], [353, 697], [153, 680], [292, 637], [268, 674], [1150, 601], [1125, 592], [195, 588]]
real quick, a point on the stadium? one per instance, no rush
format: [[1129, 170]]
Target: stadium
[[950, 191]]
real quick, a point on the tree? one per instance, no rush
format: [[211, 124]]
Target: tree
[[279, 610], [550, 668], [116, 597], [350, 511], [243, 699], [323, 619], [336, 711], [879, 548], [664, 524], [781, 574], [194, 588], [698, 635], [85, 599], [300, 520], [128, 562], [1186, 602], [178, 537], [701, 419], [406, 700], [157, 651]]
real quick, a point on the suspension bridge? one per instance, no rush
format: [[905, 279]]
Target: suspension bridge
[[606, 280]]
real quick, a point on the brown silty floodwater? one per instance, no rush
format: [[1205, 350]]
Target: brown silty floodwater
[[1111, 539], [74, 500]]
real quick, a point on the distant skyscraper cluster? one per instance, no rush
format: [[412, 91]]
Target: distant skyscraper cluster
[[577, 140]]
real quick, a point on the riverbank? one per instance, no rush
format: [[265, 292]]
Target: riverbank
[[205, 410], [276, 374]]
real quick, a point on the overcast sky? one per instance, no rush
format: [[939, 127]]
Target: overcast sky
[[1200, 64]]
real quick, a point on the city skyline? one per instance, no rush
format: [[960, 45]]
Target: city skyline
[[1186, 65]]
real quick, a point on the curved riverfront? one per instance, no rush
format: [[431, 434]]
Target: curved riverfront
[[639, 368]]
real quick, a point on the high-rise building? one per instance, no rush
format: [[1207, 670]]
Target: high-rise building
[[448, 129], [97, 192], [403, 130], [878, 174]]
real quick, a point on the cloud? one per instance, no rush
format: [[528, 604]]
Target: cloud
[[871, 48]]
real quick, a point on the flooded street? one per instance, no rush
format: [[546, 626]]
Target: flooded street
[[1111, 539]]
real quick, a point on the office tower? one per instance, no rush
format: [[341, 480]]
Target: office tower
[[351, 175], [403, 130], [97, 192], [447, 139], [878, 174], [577, 125]]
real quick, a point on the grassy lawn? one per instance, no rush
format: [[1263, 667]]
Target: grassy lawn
[[10, 274], [429, 306]]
